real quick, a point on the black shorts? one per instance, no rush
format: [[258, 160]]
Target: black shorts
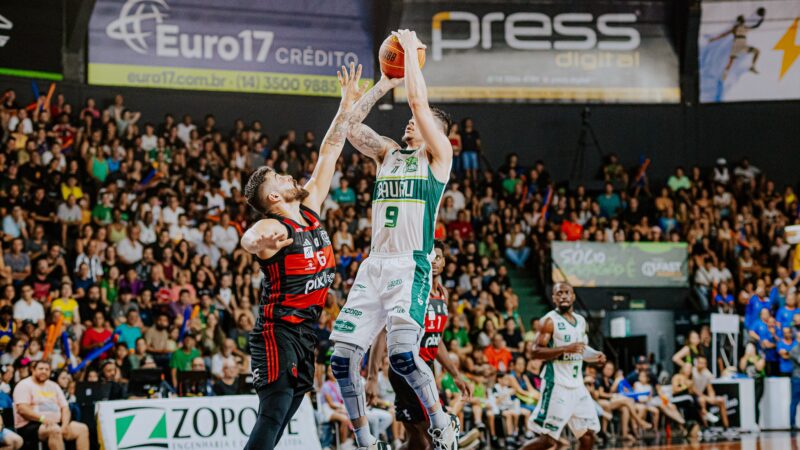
[[407, 407], [30, 432], [283, 349]]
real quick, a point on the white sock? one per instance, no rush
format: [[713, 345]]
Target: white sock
[[363, 437], [439, 419]]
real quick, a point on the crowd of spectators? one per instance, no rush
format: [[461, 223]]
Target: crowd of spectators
[[124, 235]]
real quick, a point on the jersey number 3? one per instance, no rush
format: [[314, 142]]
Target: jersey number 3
[[391, 217]]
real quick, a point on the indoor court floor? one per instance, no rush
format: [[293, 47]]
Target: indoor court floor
[[762, 441]]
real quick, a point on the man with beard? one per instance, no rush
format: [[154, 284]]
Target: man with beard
[[296, 257], [562, 345], [157, 339], [42, 413]]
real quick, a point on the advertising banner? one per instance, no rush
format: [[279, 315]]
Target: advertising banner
[[749, 51], [195, 423], [254, 46], [730, 392], [625, 264], [31, 38], [545, 51]]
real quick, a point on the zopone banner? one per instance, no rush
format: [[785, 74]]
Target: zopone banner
[[195, 423]]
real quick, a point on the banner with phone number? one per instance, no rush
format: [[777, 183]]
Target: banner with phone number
[[261, 46]]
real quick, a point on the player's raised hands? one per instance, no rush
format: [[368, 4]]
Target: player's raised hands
[[350, 82], [274, 241], [408, 40]]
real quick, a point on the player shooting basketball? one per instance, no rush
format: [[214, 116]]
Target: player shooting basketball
[[740, 45], [392, 286]]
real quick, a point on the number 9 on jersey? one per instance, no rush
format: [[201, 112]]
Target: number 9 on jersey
[[391, 217]]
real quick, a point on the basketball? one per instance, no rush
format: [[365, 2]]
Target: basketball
[[392, 57]]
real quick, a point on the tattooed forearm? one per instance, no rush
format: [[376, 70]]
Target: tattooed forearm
[[337, 133], [366, 140], [369, 99]]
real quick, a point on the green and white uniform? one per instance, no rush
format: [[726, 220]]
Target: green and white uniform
[[395, 279], [565, 399]]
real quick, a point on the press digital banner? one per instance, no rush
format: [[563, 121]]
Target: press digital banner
[[195, 423], [254, 46], [31, 38], [749, 51], [626, 264], [545, 51]]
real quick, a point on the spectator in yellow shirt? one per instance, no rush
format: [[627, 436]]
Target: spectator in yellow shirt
[[67, 305], [71, 187]]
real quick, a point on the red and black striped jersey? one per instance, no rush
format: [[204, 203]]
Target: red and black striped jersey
[[435, 322], [297, 278]]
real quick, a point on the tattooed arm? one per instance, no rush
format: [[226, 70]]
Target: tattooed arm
[[320, 182], [364, 138]]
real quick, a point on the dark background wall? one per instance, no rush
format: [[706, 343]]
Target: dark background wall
[[671, 135]]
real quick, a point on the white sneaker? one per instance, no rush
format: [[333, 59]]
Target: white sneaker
[[711, 417], [447, 437]]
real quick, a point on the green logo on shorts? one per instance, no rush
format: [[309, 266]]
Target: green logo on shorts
[[360, 286], [344, 326], [394, 283], [551, 427], [352, 312]]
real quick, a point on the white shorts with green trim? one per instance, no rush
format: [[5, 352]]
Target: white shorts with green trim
[[385, 286], [561, 406]]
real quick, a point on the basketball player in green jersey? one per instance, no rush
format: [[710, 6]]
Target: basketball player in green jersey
[[562, 344], [392, 286]]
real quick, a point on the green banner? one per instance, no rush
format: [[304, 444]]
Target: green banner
[[627, 264]]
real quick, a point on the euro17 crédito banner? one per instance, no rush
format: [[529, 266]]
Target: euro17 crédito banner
[[749, 51], [253, 46]]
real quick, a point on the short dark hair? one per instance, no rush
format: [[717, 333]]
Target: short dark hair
[[443, 117], [253, 186], [438, 244], [36, 364]]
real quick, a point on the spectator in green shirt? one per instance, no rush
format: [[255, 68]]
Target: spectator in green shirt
[[181, 359], [131, 330], [609, 201], [679, 181], [343, 195], [102, 212], [511, 182]]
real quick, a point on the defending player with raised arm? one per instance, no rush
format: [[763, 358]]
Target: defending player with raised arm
[[280, 194], [562, 345], [392, 285], [295, 254]]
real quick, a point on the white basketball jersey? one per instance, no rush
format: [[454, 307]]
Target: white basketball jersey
[[405, 203], [566, 370]]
